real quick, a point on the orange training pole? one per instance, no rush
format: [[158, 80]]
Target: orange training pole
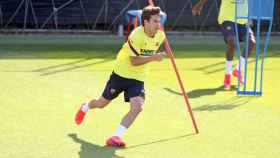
[[136, 22], [128, 30], [171, 56]]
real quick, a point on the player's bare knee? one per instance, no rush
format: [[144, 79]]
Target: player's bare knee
[[231, 43], [252, 44], [136, 106]]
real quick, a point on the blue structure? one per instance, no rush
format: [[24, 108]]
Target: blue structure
[[257, 11]]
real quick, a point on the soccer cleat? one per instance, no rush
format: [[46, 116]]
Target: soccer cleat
[[80, 116], [227, 81], [236, 74], [115, 141]]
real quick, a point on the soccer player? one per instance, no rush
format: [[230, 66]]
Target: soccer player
[[141, 48], [227, 26]]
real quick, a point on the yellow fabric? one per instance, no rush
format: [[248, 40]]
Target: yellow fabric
[[227, 11], [145, 46]]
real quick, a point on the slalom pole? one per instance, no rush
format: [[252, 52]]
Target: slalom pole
[[171, 56]]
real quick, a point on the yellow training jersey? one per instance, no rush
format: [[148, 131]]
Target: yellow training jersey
[[138, 44], [227, 11]]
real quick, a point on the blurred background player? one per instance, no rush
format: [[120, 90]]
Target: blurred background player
[[226, 21], [129, 72]]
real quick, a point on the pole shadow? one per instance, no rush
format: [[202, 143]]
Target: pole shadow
[[227, 104], [201, 92], [161, 141]]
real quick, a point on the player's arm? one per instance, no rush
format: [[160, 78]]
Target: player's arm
[[138, 60], [196, 10], [135, 43]]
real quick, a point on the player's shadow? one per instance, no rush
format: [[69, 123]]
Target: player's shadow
[[201, 92], [89, 150]]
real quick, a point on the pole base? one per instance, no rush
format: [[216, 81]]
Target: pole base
[[250, 93]]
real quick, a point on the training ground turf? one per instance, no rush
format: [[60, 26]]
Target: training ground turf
[[44, 79]]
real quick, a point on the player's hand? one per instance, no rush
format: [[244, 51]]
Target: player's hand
[[158, 56], [163, 53], [196, 10]]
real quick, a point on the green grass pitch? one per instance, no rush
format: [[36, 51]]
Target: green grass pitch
[[44, 79]]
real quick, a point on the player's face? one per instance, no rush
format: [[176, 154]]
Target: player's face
[[154, 24]]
